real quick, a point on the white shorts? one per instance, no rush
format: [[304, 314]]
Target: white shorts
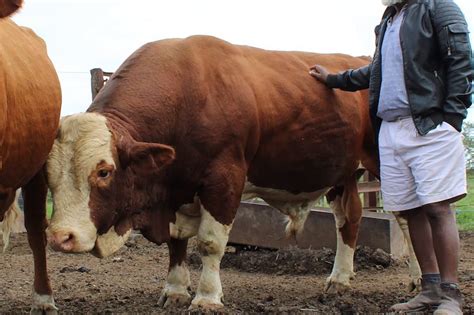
[[418, 170]]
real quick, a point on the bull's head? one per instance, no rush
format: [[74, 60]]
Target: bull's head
[[103, 183]]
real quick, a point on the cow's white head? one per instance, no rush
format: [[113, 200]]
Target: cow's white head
[[97, 177]]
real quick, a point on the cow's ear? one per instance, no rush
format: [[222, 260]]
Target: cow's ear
[[144, 157]]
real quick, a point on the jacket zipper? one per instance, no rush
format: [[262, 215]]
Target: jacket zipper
[[436, 74], [448, 42]]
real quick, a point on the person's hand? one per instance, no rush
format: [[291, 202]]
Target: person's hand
[[319, 72]]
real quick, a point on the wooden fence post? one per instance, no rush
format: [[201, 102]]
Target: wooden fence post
[[372, 195], [97, 81]]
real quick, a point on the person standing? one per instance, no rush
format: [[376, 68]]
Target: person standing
[[420, 88]]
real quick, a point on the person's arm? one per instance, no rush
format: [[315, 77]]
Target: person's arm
[[350, 80], [455, 49]]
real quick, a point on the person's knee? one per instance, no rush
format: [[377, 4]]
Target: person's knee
[[407, 214], [438, 210]]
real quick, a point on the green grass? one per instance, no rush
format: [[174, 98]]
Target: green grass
[[465, 220], [49, 209], [465, 207]]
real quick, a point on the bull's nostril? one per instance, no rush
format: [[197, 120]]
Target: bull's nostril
[[67, 242], [62, 241], [68, 238]]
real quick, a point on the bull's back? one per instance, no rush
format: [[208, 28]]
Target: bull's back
[[30, 101]]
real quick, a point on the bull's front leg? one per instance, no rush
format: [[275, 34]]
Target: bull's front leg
[[35, 193], [178, 283], [347, 210], [212, 239]]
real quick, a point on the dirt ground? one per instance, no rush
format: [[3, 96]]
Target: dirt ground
[[254, 280]]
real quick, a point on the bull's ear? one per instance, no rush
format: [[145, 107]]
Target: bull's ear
[[144, 157]]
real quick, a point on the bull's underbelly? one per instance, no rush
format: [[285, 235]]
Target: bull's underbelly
[[303, 178], [280, 195], [307, 159], [296, 206]]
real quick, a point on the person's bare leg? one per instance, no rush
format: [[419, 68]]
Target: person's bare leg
[[421, 236], [446, 246], [445, 239]]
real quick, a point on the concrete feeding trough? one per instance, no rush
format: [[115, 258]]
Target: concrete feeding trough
[[260, 225]]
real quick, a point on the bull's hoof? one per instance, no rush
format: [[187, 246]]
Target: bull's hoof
[[338, 284], [205, 304], [174, 300], [43, 305], [414, 285], [38, 311]]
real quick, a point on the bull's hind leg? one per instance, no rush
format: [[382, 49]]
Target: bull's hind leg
[[347, 208], [413, 266], [35, 221], [177, 287]]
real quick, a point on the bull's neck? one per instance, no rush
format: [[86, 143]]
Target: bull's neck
[[140, 126], [147, 116]]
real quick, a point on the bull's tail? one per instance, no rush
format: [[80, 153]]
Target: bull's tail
[[8, 222], [8, 7]]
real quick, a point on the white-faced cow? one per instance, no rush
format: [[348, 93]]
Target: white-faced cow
[[184, 129], [30, 102]]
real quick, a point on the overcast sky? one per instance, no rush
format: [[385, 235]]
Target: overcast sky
[[85, 34]]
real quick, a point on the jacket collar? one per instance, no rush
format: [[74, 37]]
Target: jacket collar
[[392, 10]]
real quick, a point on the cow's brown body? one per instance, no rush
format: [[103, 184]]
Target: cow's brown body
[[214, 103], [196, 124], [30, 102]]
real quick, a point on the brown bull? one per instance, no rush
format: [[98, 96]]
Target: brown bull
[[184, 129], [30, 102]]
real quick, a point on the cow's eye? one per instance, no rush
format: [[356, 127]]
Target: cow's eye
[[103, 173]]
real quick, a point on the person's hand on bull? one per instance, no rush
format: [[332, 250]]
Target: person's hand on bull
[[319, 72]]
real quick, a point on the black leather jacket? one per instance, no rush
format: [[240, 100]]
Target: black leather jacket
[[436, 54]]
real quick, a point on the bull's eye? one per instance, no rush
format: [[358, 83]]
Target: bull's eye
[[103, 173]]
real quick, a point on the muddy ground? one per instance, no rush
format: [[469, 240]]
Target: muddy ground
[[289, 281]]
